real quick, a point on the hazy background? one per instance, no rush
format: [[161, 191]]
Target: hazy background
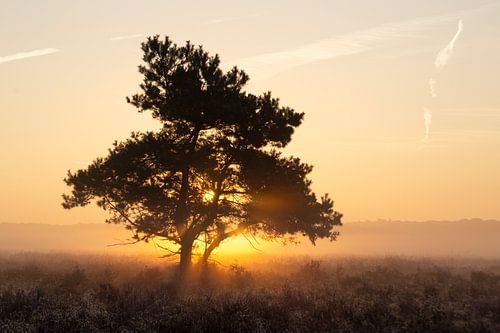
[[471, 238], [360, 70]]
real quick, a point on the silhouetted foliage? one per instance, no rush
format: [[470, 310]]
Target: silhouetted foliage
[[214, 170]]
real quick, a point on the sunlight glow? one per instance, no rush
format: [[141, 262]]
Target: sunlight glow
[[240, 245], [209, 196]]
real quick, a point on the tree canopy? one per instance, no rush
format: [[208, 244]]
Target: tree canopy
[[213, 171]]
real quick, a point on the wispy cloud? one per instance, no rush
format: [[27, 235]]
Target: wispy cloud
[[447, 52], [427, 123], [220, 20], [347, 44], [432, 87], [226, 19], [119, 38], [28, 54], [441, 60]]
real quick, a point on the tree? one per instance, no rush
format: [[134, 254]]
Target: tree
[[213, 171]]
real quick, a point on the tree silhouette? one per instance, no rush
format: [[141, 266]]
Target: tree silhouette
[[213, 171]]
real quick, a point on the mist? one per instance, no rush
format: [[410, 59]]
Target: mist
[[475, 238]]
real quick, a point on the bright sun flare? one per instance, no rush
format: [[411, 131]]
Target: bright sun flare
[[209, 196]]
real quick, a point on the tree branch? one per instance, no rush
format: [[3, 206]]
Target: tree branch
[[125, 243], [251, 244], [122, 214], [172, 252]]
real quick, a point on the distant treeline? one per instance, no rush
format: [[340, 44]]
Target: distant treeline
[[465, 238]]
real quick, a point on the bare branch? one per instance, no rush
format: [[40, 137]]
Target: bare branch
[[125, 243], [251, 244], [234, 192], [119, 211], [172, 252]]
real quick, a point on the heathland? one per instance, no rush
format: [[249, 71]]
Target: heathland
[[83, 293]]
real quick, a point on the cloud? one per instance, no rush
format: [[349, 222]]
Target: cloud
[[432, 87], [220, 20], [447, 52], [427, 124], [441, 60], [230, 19], [119, 38], [269, 64], [28, 54]]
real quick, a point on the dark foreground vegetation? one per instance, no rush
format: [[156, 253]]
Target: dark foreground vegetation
[[60, 293]]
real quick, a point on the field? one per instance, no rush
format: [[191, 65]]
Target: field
[[83, 293]]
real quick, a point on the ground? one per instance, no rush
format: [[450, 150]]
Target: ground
[[68, 293]]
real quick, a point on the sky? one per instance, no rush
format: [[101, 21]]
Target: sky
[[401, 102]]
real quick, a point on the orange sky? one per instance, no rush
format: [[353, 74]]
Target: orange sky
[[359, 70]]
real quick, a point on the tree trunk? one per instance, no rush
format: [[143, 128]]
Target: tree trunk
[[216, 242], [209, 250], [185, 263]]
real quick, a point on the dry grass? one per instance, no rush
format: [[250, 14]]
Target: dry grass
[[63, 293]]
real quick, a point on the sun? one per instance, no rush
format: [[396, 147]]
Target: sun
[[209, 196]]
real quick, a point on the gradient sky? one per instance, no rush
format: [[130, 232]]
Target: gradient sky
[[360, 70]]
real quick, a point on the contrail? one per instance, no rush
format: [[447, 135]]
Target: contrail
[[118, 38], [269, 64], [442, 59], [28, 54], [427, 123], [432, 86], [445, 54]]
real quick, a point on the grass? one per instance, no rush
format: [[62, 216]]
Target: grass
[[63, 293]]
